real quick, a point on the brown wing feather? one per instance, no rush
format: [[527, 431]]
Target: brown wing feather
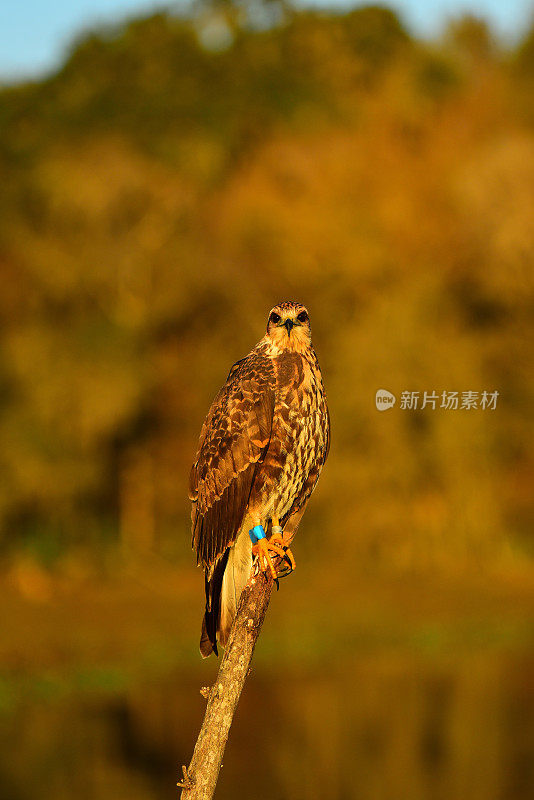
[[233, 442]]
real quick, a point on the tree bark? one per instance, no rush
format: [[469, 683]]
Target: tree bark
[[200, 778]]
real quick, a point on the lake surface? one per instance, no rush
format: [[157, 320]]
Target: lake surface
[[397, 727]]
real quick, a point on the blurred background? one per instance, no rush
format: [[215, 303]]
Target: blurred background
[[165, 181]]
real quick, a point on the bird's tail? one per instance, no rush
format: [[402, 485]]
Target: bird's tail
[[223, 591]]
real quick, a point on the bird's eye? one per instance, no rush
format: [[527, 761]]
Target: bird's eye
[[303, 316], [275, 318]]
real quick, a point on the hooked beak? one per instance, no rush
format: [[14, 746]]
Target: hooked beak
[[288, 324]]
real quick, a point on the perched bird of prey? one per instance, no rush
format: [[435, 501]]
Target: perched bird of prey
[[261, 450]]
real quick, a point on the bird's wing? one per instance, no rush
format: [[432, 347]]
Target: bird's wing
[[233, 442]]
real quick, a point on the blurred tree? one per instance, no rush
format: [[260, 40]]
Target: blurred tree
[[525, 55], [324, 156], [471, 37]]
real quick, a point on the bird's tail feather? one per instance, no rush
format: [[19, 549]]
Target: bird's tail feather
[[222, 594], [210, 623]]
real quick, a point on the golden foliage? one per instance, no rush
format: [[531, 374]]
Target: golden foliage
[[160, 197]]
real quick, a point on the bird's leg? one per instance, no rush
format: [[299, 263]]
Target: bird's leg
[[261, 547], [277, 537]]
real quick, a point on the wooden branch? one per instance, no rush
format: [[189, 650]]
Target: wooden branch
[[200, 778]]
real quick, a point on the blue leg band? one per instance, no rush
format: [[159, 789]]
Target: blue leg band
[[256, 533]]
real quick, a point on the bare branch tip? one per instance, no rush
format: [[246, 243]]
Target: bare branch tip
[[187, 781]]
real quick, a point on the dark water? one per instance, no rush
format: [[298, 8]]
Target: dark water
[[373, 729]]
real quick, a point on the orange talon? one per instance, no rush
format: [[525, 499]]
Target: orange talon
[[278, 538], [278, 547], [261, 550]]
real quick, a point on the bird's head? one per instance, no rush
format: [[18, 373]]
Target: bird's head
[[288, 326]]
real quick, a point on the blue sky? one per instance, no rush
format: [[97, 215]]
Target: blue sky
[[34, 34]]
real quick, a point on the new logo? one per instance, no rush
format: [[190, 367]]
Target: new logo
[[384, 400]]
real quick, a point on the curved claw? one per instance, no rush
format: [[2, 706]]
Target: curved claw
[[263, 550], [279, 549], [286, 568], [287, 555]]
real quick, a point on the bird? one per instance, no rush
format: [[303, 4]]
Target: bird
[[261, 450]]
